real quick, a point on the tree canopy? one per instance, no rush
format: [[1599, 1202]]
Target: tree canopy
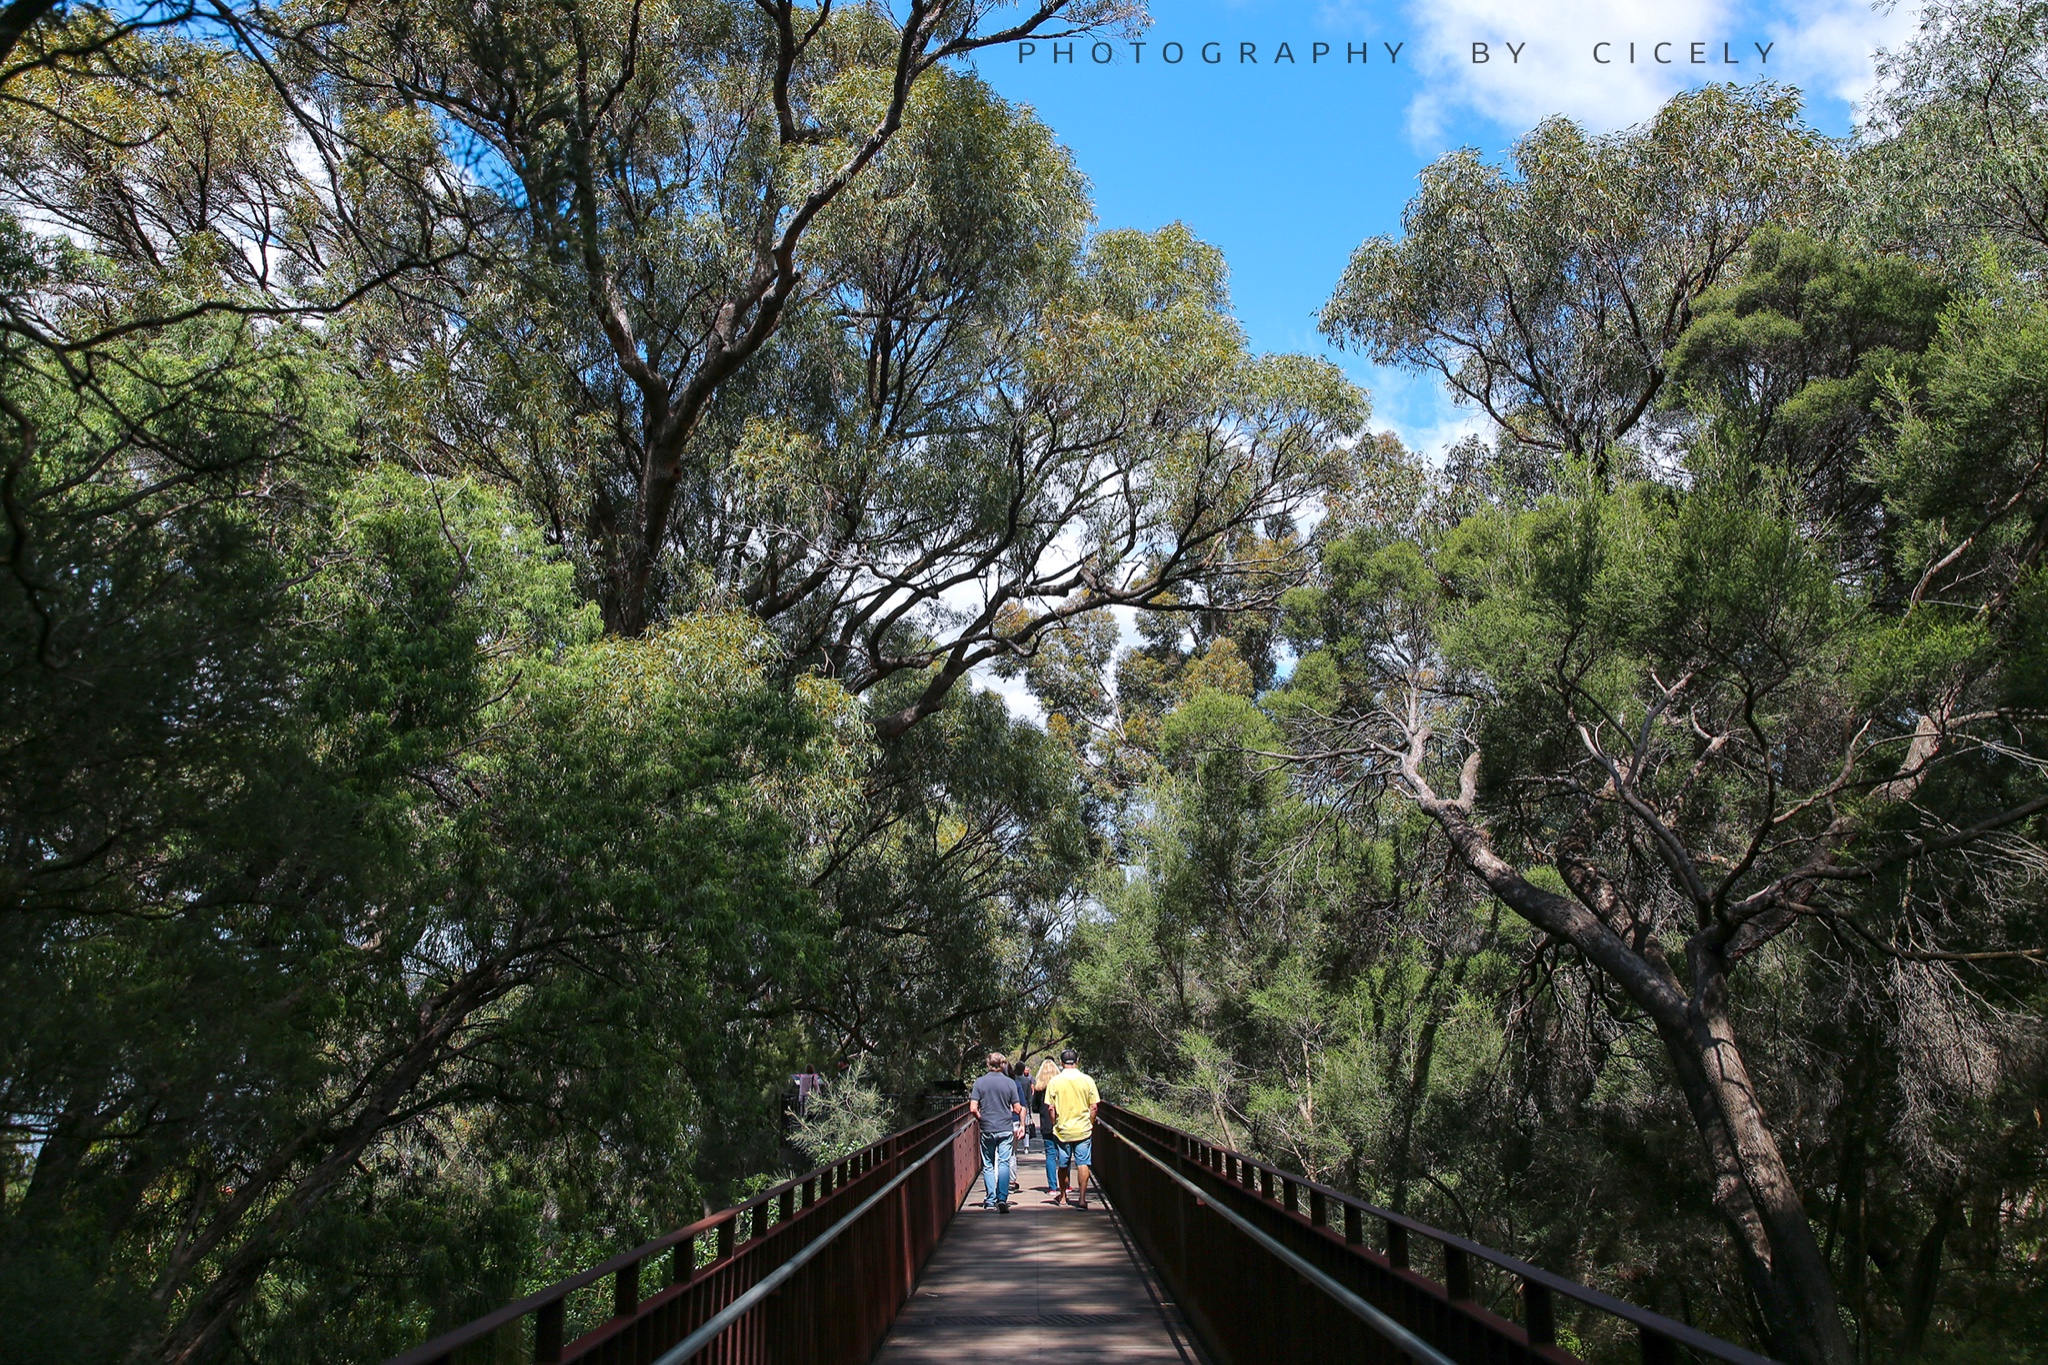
[[510, 513]]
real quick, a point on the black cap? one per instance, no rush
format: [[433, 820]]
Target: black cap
[[1069, 1057]]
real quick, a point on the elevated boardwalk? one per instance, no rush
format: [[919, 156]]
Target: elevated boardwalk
[[1041, 1282], [885, 1256]]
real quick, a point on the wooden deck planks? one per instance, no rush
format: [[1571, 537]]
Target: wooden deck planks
[[1048, 1282]]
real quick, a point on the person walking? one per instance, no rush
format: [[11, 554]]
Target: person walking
[[1072, 1099], [1022, 1142], [1047, 1069], [993, 1102], [1020, 1075]]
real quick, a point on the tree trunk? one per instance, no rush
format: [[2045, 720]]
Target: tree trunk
[[1753, 1189], [1927, 1274], [1756, 1198]]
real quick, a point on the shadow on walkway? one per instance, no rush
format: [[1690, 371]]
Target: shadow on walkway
[[1041, 1278]]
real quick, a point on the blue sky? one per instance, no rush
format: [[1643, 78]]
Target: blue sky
[[1288, 167]]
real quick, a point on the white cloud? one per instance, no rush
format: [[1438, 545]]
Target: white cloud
[[1554, 71], [1830, 46], [1823, 46], [1419, 409]]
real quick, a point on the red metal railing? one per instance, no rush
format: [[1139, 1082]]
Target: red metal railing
[[833, 1254], [1269, 1266]]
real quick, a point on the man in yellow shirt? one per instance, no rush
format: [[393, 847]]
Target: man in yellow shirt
[[1070, 1100]]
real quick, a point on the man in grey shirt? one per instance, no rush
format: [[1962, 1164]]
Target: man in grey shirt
[[995, 1107]]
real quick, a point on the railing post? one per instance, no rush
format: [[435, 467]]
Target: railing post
[[810, 1191], [725, 1238], [547, 1333], [1354, 1225], [682, 1263], [1397, 1245], [1265, 1183], [626, 1290], [1318, 1209], [1537, 1316], [1657, 1348], [1290, 1195], [1457, 1274]]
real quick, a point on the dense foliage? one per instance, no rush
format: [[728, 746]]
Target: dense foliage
[[504, 506], [1641, 865], [412, 889]]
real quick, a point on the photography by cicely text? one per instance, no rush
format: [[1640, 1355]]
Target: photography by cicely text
[[1591, 53]]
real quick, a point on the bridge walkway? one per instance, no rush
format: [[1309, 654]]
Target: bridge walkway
[[884, 1255], [1041, 1282]]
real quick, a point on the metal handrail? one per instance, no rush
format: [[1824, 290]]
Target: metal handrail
[[736, 1229], [732, 1312], [1414, 1347], [1657, 1332]]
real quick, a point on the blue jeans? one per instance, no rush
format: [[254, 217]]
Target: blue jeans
[[995, 1167], [1052, 1158]]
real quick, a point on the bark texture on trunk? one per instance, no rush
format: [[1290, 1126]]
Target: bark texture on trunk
[[1754, 1193]]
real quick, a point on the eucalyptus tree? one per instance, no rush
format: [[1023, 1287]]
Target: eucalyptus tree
[[1671, 724], [666, 172], [293, 992], [280, 925], [1119, 447], [359, 895], [1795, 361], [1953, 153], [1678, 723], [790, 311], [34, 36], [153, 173], [1548, 293]]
